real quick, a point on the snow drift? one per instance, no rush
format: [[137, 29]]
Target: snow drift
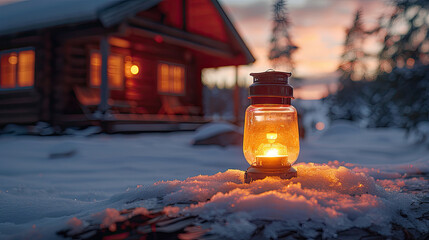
[[320, 202]]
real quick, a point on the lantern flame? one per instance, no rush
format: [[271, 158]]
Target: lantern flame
[[273, 152], [272, 135]]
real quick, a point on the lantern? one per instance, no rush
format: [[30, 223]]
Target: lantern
[[271, 138]]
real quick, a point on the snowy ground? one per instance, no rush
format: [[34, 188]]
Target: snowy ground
[[50, 183]]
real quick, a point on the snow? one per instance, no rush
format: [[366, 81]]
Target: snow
[[332, 198], [347, 177], [29, 15], [212, 129], [384, 149]]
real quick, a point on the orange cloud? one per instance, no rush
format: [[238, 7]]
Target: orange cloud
[[317, 27]]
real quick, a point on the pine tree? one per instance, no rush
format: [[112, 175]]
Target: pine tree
[[282, 47], [352, 65], [347, 102], [405, 48], [401, 90]]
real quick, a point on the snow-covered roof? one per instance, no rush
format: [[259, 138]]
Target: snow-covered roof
[[36, 14], [30, 15]]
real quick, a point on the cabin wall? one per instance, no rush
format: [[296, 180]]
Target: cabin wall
[[149, 53], [72, 69], [139, 91], [30, 104]]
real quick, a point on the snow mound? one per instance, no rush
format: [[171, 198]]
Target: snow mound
[[43, 129], [223, 134], [63, 150], [14, 129], [212, 129], [322, 200], [83, 132]]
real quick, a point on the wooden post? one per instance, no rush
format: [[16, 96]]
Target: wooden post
[[236, 98], [104, 88], [184, 12], [47, 83]]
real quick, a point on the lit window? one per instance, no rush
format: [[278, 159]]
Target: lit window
[[26, 68], [95, 70], [115, 70], [17, 68], [171, 78]]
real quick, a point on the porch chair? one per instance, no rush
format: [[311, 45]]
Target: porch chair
[[171, 105], [89, 99]]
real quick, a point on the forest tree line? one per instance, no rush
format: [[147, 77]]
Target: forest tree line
[[397, 94]]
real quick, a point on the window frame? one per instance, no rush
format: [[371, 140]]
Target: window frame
[[183, 93], [17, 50], [123, 78]]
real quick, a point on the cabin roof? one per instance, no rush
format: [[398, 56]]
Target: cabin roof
[[39, 14], [36, 14]]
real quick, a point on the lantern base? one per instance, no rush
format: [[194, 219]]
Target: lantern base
[[257, 173]]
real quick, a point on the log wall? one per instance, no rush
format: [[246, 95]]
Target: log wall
[[139, 91], [26, 105]]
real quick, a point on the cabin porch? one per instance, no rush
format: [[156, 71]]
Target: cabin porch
[[119, 122]]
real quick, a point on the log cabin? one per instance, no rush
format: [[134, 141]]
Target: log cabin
[[122, 64]]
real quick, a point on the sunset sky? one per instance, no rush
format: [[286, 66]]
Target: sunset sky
[[318, 28]]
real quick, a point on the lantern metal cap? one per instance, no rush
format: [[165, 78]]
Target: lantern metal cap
[[270, 87], [271, 76]]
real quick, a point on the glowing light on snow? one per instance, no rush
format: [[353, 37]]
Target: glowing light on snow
[[328, 197]]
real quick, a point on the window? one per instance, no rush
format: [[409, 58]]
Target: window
[[115, 70], [171, 78], [17, 68]]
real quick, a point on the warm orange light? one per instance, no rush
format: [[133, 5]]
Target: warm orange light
[[171, 78], [272, 152], [95, 69], [320, 126], [7, 71], [17, 69], [119, 42], [13, 59], [410, 62], [271, 136], [115, 70], [134, 69], [26, 68]]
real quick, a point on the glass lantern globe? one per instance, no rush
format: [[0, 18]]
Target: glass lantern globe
[[271, 136]]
